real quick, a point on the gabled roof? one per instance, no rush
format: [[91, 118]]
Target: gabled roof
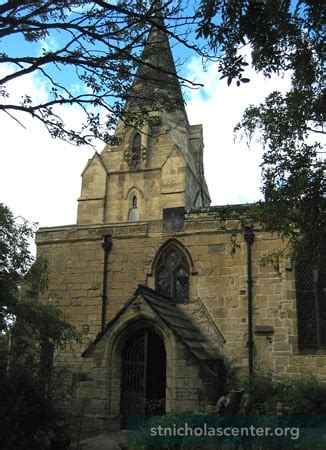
[[89, 162], [180, 324], [175, 319]]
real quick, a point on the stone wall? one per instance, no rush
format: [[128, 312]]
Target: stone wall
[[92, 202], [169, 174], [218, 280]]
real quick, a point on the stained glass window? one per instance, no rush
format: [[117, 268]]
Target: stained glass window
[[163, 282], [172, 273], [171, 259]]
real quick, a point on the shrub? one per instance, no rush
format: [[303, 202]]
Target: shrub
[[305, 396], [25, 414]]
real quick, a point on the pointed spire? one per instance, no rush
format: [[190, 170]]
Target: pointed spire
[[156, 79]]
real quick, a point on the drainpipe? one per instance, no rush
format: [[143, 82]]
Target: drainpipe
[[249, 236], [107, 245]]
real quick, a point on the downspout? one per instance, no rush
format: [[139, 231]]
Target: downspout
[[107, 245], [249, 236]]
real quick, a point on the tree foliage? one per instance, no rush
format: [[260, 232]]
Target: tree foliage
[[294, 183], [29, 333], [99, 44], [29, 419], [94, 50], [31, 324], [282, 36], [15, 260]]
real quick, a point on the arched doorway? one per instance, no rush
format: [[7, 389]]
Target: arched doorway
[[143, 374]]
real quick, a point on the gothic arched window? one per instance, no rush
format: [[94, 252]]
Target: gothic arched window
[[133, 215], [311, 306], [172, 273], [134, 202], [136, 150]]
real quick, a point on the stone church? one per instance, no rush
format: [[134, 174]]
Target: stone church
[[147, 275]]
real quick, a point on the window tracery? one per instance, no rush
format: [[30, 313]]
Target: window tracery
[[172, 273], [136, 150], [311, 306]]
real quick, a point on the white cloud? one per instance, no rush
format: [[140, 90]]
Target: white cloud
[[232, 169], [39, 176], [48, 44], [23, 85]]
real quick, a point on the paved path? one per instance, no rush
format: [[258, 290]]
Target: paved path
[[113, 440]]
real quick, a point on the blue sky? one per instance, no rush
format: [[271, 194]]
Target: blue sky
[[40, 176]]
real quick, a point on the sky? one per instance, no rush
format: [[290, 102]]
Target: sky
[[40, 177]]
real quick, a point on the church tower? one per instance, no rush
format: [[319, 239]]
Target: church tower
[[153, 168], [149, 277]]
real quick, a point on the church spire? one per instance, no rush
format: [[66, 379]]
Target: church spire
[[156, 81]]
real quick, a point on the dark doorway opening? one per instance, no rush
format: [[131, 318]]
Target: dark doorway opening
[[143, 374]]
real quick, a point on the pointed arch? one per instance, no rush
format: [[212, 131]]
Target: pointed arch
[[172, 267], [133, 198], [133, 214], [143, 387], [134, 191], [115, 344], [134, 202], [177, 243], [136, 149]]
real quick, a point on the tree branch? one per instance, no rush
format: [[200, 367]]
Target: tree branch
[[313, 130], [13, 117]]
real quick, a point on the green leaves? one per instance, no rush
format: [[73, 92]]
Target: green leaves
[[21, 276], [293, 170], [233, 68], [39, 322], [96, 46], [280, 36], [15, 260]]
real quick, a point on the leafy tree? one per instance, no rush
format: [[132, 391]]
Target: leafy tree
[[282, 36], [100, 43], [293, 180], [29, 421], [35, 329], [15, 261], [98, 46], [29, 334]]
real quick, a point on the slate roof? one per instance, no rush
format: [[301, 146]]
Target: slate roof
[[180, 324], [175, 319]]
